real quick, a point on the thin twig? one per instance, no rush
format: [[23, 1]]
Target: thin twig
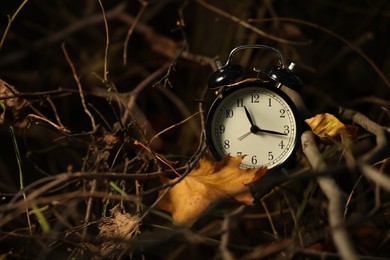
[[159, 157], [294, 217], [349, 199], [55, 112], [62, 34], [17, 206], [131, 30], [76, 77], [10, 20], [38, 94], [337, 36], [164, 45], [41, 119], [105, 72], [191, 163], [88, 210], [132, 96], [271, 222], [164, 81], [172, 126], [246, 24]]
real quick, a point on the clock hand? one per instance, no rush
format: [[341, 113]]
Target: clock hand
[[244, 135], [271, 132], [254, 128], [248, 115], [260, 130]]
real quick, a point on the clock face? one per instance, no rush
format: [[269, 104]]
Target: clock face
[[257, 121]]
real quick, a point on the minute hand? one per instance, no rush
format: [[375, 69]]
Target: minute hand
[[269, 131]]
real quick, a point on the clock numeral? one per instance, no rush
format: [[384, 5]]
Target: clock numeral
[[229, 113], [270, 156], [255, 98], [254, 159], [286, 129], [226, 144], [269, 102], [221, 129], [281, 144], [282, 113], [240, 102]]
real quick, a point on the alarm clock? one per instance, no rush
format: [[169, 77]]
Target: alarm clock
[[252, 116]]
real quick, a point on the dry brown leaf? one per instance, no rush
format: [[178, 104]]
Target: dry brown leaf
[[118, 226], [205, 184], [14, 105], [327, 125]]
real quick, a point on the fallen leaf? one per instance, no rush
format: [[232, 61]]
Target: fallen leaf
[[118, 226], [12, 103], [327, 125], [205, 184]]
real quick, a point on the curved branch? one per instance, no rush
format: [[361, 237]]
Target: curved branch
[[382, 148], [378, 177]]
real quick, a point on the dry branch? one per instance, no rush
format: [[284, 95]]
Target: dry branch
[[247, 25], [340, 235], [382, 147], [378, 177]]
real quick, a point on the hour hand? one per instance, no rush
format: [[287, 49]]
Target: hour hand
[[254, 128], [248, 115]]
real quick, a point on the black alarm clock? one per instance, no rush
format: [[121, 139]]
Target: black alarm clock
[[253, 116]]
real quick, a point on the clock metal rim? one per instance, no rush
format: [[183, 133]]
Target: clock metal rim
[[269, 85]]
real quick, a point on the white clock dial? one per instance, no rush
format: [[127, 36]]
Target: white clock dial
[[256, 121]]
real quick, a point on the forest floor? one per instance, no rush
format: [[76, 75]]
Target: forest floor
[[102, 122]]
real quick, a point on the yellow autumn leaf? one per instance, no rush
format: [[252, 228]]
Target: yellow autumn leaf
[[205, 184], [327, 125]]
